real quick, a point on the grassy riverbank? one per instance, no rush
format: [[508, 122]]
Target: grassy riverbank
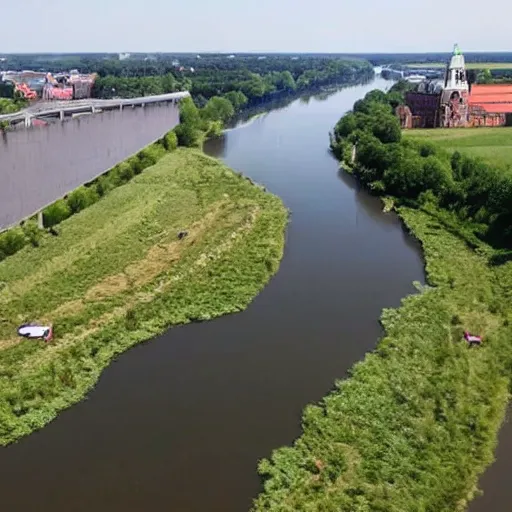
[[416, 423], [117, 275]]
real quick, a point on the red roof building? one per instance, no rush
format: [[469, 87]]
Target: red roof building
[[492, 98], [458, 103]]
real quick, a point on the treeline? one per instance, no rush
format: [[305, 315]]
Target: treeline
[[429, 58], [258, 82], [110, 86], [160, 64], [369, 139]]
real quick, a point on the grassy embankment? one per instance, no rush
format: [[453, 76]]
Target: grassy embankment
[[117, 275], [469, 65], [491, 144], [416, 422]]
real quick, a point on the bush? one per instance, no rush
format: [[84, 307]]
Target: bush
[[170, 141], [135, 163], [125, 172], [104, 185], [11, 242], [56, 213], [187, 135], [150, 155], [214, 129], [32, 233], [81, 198]]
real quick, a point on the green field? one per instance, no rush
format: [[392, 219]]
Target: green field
[[469, 65], [492, 144], [117, 274]]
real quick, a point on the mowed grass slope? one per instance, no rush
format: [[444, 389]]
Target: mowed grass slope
[[416, 423], [492, 144], [117, 275]]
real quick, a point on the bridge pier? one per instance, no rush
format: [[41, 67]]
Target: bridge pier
[[40, 221], [62, 115]]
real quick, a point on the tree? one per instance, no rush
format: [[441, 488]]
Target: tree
[[345, 126], [484, 77], [237, 98], [218, 109], [287, 81], [189, 114], [386, 127]]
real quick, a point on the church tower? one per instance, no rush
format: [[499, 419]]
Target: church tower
[[456, 76], [454, 98]]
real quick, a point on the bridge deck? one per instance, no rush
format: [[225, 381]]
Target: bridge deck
[[48, 108]]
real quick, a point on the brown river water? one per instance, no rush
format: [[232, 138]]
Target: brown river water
[[180, 422]]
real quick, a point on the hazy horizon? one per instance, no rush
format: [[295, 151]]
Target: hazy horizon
[[229, 26]]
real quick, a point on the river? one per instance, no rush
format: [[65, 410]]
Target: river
[[179, 423]]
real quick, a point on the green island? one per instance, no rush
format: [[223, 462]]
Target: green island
[[119, 275], [416, 422]]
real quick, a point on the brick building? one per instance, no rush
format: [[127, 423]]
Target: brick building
[[456, 102]]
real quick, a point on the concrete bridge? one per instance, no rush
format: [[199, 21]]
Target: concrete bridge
[[63, 109], [39, 165]]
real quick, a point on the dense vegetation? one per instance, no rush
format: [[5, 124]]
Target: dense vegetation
[[416, 422], [159, 63], [258, 80], [472, 189], [118, 275]]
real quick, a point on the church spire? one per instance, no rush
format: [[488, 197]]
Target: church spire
[[456, 77]]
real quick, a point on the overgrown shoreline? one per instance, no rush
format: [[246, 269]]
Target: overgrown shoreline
[[118, 275], [416, 422]]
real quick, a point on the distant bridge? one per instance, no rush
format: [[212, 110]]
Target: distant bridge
[[61, 109], [42, 164]]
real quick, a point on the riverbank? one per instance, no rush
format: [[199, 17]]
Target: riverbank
[[117, 275], [416, 423]]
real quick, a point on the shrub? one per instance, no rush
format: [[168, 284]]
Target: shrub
[[104, 185], [81, 198], [170, 141], [187, 135], [136, 165], [214, 129], [150, 155], [56, 212], [130, 319], [32, 233], [125, 172], [11, 242]]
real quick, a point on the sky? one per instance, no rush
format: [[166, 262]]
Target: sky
[[337, 26]]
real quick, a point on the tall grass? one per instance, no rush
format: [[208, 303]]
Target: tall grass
[[416, 422], [117, 275]]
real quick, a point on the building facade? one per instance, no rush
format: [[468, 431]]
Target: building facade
[[454, 102]]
